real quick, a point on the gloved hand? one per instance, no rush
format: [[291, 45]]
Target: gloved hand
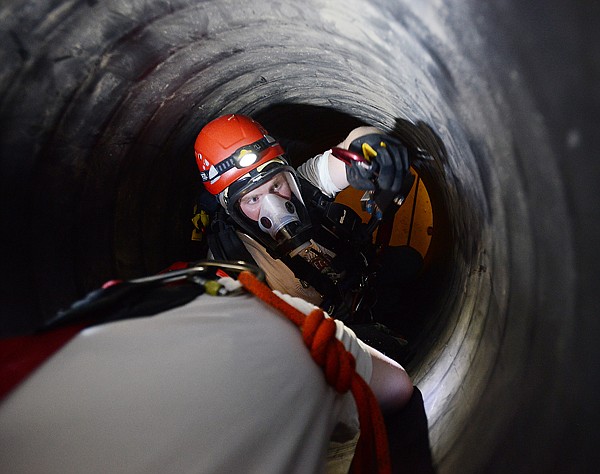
[[388, 163]]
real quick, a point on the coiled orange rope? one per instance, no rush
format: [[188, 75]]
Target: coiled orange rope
[[318, 333]]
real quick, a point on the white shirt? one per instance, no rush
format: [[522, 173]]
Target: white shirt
[[222, 384]]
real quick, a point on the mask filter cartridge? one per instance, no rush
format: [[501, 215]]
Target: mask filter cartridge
[[278, 217]]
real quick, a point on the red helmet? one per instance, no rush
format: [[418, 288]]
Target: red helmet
[[231, 146]]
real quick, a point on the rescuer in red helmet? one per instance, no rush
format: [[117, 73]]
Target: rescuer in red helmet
[[286, 219]]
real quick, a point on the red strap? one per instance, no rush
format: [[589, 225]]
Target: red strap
[[318, 333], [20, 356]]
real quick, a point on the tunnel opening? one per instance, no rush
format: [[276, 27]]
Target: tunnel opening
[[100, 103]]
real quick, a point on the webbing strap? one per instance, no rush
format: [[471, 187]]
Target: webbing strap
[[318, 333]]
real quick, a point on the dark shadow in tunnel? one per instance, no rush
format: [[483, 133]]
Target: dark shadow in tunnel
[[423, 297], [306, 130]]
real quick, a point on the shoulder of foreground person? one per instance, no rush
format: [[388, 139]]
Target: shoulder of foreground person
[[390, 383]]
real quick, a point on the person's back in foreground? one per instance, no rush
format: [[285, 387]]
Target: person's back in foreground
[[221, 384]]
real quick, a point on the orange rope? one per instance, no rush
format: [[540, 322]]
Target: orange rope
[[318, 333]]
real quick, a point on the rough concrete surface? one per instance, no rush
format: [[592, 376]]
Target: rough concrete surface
[[100, 103]]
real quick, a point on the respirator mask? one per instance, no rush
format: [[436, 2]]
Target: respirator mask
[[282, 225], [278, 217]]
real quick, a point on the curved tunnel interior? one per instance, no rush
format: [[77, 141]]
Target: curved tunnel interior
[[100, 104]]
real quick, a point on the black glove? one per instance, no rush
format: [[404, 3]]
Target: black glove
[[388, 163]]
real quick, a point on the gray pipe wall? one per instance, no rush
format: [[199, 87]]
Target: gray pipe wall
[[100, 103]]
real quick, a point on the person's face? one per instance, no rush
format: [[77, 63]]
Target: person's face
[[251, 202]]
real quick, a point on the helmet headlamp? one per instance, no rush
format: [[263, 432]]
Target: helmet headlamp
[[243, 157], [246, 159]]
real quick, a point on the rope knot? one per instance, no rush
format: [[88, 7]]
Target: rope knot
[[318, 333]]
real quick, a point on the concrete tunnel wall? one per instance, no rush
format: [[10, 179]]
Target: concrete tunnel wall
[[100, 103]]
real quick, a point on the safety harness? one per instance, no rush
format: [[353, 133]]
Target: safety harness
[[117, 300]]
